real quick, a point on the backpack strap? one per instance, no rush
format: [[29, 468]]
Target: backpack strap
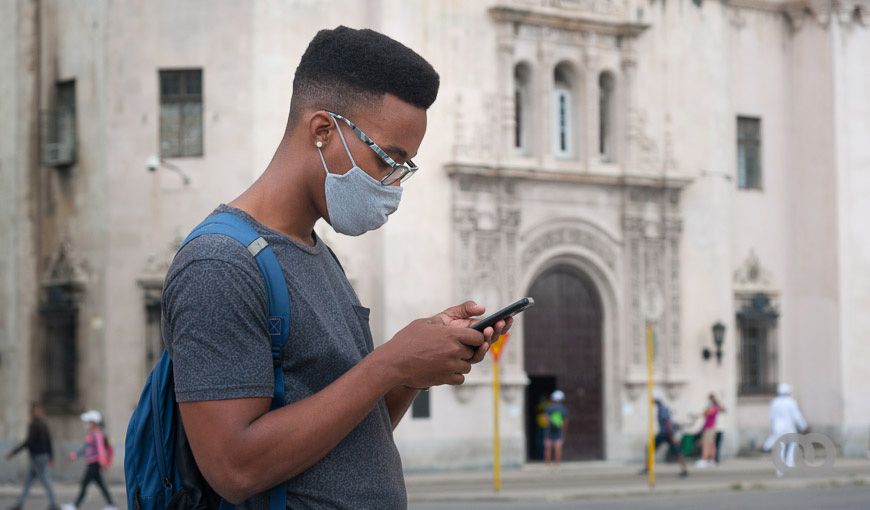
[[277, 299]]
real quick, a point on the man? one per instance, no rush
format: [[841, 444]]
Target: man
[[557, 423], [665, 434], [357, 117], [38, 445], [785, 418]]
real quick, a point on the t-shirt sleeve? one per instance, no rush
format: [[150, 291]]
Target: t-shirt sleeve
[[215, 328]]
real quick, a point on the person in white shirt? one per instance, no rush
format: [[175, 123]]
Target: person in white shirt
[[785, 418]]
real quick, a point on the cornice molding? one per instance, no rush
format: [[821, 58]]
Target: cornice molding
[[571, 20]]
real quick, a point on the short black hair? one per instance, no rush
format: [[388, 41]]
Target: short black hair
[[345, 68]]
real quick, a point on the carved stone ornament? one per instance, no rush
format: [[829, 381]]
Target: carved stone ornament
[[751, 274], [652, 229], [646, 148], [606, 7], [158, 263], [156, 266], [570, 235], [464, 393], [65, 269], [844, 12]]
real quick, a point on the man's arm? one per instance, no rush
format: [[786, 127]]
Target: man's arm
[[398, 400], [243, 449], [30, 437], [16, 450]]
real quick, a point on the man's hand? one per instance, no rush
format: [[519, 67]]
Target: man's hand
[[464, 316], [441, 349], [10, 456], [428, 353]]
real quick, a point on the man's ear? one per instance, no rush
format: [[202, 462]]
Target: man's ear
[[320, 128]]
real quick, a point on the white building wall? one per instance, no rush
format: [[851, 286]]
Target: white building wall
[[852, 131]]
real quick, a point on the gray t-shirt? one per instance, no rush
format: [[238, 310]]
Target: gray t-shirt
[[214, 323]]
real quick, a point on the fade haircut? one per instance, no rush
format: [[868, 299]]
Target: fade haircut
[[345, 69]]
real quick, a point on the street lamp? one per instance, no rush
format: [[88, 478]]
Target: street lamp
[[718, 339]]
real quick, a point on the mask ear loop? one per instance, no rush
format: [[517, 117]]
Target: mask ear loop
[[343, 141], [322, 160]]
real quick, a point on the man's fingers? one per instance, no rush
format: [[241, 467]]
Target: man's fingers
[[469, 337], [487, 334], [466, 310], [456, 379], [479, 353], [463, 367], [466, 353]]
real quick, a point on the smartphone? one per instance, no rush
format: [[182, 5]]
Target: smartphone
[[508, 311]]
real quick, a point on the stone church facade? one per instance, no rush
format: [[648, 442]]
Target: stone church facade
[[671, 163]]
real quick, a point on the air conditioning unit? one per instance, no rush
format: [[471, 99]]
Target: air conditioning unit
[[59, 138]]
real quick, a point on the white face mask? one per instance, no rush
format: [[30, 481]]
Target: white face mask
[[355, 201]]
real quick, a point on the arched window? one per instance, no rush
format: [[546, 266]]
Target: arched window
[[563, 122], [522, 107], [605, 116]]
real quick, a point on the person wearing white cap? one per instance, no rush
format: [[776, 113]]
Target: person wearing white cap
[[554, 436], [97, 454], [785, 418]]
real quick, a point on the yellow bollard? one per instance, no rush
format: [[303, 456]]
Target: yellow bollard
[[651, 449], [496, 442]]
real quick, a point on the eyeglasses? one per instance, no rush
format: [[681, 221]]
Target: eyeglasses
[[400, 173]]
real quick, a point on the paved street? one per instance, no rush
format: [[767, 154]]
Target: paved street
[[831, 498], [607, 480], [838, 498]]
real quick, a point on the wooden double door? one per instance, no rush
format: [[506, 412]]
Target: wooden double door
[[563, 349]]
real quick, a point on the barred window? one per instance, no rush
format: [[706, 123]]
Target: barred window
[[757, 321], [748, 153], [153, 334], [181, 131], [563, 83], [59, 318]]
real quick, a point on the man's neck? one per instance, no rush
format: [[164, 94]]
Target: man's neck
[[279, 199]]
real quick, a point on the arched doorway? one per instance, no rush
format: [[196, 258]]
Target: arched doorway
[[563, 349]]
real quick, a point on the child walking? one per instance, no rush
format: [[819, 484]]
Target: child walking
[[97, 453]]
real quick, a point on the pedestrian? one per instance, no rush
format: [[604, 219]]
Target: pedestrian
[[708, 433], [557, 424], [357, 118], [785, 418], [96, 452], [542, 424], [666, 434], [38, 445]]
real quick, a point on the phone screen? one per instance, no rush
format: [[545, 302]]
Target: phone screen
[[508, 311]]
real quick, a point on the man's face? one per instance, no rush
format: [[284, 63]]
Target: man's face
[[396, 126]]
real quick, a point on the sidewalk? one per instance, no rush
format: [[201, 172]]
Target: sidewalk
[[594, 480], [570, 481]]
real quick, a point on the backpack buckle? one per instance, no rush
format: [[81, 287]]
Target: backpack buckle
[[275, 326]]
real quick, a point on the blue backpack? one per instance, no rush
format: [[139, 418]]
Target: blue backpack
[[159, 467]]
